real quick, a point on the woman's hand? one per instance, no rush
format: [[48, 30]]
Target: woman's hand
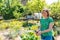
[[38, 33]]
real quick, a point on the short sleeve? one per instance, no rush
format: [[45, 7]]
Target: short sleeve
[[51, 20]]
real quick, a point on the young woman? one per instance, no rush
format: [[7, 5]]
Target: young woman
[[46, 26]]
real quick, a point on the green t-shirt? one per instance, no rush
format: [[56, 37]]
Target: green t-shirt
[[45, 25]]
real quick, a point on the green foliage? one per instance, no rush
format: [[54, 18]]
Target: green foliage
[[9, 8], [34, 6], [0, 1], [7, 13], [30, 36], [26, 24], [55, 10]]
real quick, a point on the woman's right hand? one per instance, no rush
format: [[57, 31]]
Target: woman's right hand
[[37, 32]]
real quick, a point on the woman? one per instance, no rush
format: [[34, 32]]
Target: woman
[[46, 26]]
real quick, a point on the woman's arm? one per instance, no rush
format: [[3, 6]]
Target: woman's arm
[[49, 29]]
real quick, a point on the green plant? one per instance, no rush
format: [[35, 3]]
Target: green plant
[[30, 36]]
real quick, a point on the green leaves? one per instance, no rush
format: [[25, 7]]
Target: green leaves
[[35, 5], [0, 1], [29, 36], [11, 9], [55, 10]]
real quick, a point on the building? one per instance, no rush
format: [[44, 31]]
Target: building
[[1, 17]]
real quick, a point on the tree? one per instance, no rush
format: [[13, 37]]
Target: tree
[[55, 10], [34, 6], [9, 7]]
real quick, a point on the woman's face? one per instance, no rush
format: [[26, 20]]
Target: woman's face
[[44, 13]]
